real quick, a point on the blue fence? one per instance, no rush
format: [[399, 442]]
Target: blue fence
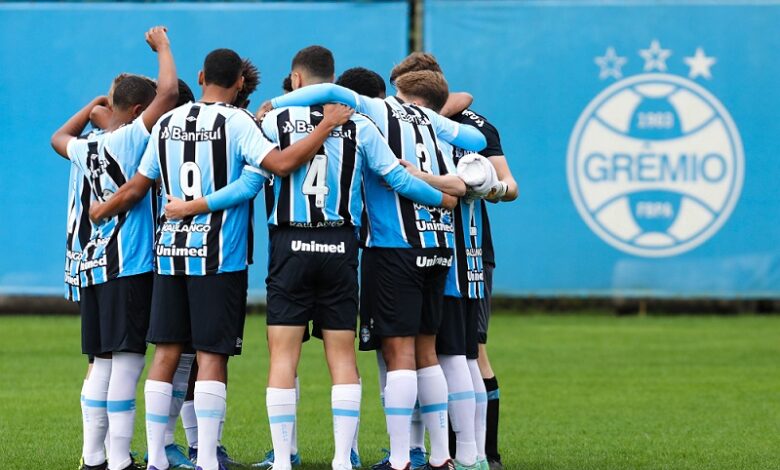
[[642, 135], [56, 57]]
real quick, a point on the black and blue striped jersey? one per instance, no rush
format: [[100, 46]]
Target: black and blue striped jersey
[[121, 245], [196, 149], [78, 230]]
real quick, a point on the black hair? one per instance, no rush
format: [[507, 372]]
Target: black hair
[[222, 68], [316, 60], [362, 81], [287, 84], [133, 90], [185, 93], [251, 80]]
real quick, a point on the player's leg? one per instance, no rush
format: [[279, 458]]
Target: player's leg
[[95, 390], [218, 312], [188, 419], [480, 396], [488, 376], [125, 305], [181, 378], [345, 393], [452, 349], [169, 330]]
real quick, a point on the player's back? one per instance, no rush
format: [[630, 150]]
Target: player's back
[[197, 149]]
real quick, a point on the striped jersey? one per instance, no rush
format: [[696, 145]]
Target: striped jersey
[[327, 191], [119, 246], [412, 132], [78, 230], [466, 277], [196, 149]]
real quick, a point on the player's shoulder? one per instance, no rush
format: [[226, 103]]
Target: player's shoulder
[[472, 118]]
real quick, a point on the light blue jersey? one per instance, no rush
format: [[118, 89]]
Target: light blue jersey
[[78, 232], [122, 245], [197, 149]]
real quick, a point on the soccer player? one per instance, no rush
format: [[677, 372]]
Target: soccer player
[[407, 256], [484, 377], [115, 266], [200, 281]]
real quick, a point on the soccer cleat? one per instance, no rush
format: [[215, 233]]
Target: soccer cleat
[[268, 461], [448, 465], [177, 459], [418, 458], [354, 459], [102, 466], [460, 466], [193, 453], [483, 464], [385, 465], [135, 466], [495, 465], [223, 457]]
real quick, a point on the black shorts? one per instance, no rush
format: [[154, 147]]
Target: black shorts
[[458, 332], [115, 315], [484, 313], [312, 276], [206, 312], [402, 292]]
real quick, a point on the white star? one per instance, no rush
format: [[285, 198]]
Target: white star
[[610, 64], [655, 57], [700, 64]]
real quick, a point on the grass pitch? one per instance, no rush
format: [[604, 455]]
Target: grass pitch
[[577, 392]]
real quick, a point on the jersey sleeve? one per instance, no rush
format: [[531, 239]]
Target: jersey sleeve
[[459, 135], [493, 148], [78, 151], [269, 127], [251, 144], [128, 143], [318, 94], [150, 163], [378, 155], [243, 189]]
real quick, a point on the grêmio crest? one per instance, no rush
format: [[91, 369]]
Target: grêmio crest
[[655, 162]]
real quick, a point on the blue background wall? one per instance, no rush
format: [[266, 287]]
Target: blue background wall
[[530, 66], [56, 57]]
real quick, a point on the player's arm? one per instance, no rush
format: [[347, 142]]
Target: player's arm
[[123, 199], [456, 103], [450, 183], [460, 135], [508, 190], [100, 116], [318, 94], [284, 162], [167, 82], [243, 189], [74, 126]]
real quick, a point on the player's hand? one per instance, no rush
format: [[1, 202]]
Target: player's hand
[[448, 201], [413, 170], [101, 100], [176, 209], [94, 212], [336, 115], [157, 38], [267, 106]]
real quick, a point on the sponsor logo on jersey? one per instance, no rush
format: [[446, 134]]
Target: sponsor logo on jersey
[[314, 247], [430, 261], [655, 162], [202, 135], [412, 118], [165, 251], [474, 117], [304, 127], [323, 224], [178, 227]]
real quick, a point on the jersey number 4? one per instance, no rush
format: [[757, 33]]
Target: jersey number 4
[[315, 182]]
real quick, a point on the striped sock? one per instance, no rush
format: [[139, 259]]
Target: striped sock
[[210, 401], [126, 369], [432, 393], [157, 398], [481, 410], [400, 395], [281, 405], [181, 381], [96, 418], [462, 407], [345, 402]]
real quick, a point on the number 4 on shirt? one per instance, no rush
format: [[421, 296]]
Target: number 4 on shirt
[[315, 182]]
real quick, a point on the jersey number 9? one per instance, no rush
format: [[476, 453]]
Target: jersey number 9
[[189, 180]]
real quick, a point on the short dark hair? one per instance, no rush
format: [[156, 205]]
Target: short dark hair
[[222, 68], [425, 85], [316, 60], [362, 81], [415, 62], [251, 80], [133, 90], [185, 93], [287, 84]]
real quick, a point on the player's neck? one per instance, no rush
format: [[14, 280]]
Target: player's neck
[[216, 94]]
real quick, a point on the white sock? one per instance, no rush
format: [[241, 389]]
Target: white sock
[[210, 401], [221, 427], [400, 395], [95, 415], [480, 420], [432, 394], [462, 407], [380, 362], [157, 398], [417, 435], [281, 405], [83, 409], [345, 402], [294, 440], [357, 428], [190, 423], [181, 381], [126, 369]]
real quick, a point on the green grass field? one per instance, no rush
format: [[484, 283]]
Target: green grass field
[[578, 392]]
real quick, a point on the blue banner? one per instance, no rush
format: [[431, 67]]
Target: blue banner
[[642, 135], [56, 57]]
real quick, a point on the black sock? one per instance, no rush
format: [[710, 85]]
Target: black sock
[[491, 437]]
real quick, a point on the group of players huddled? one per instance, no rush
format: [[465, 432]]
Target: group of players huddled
[[160, 234]]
